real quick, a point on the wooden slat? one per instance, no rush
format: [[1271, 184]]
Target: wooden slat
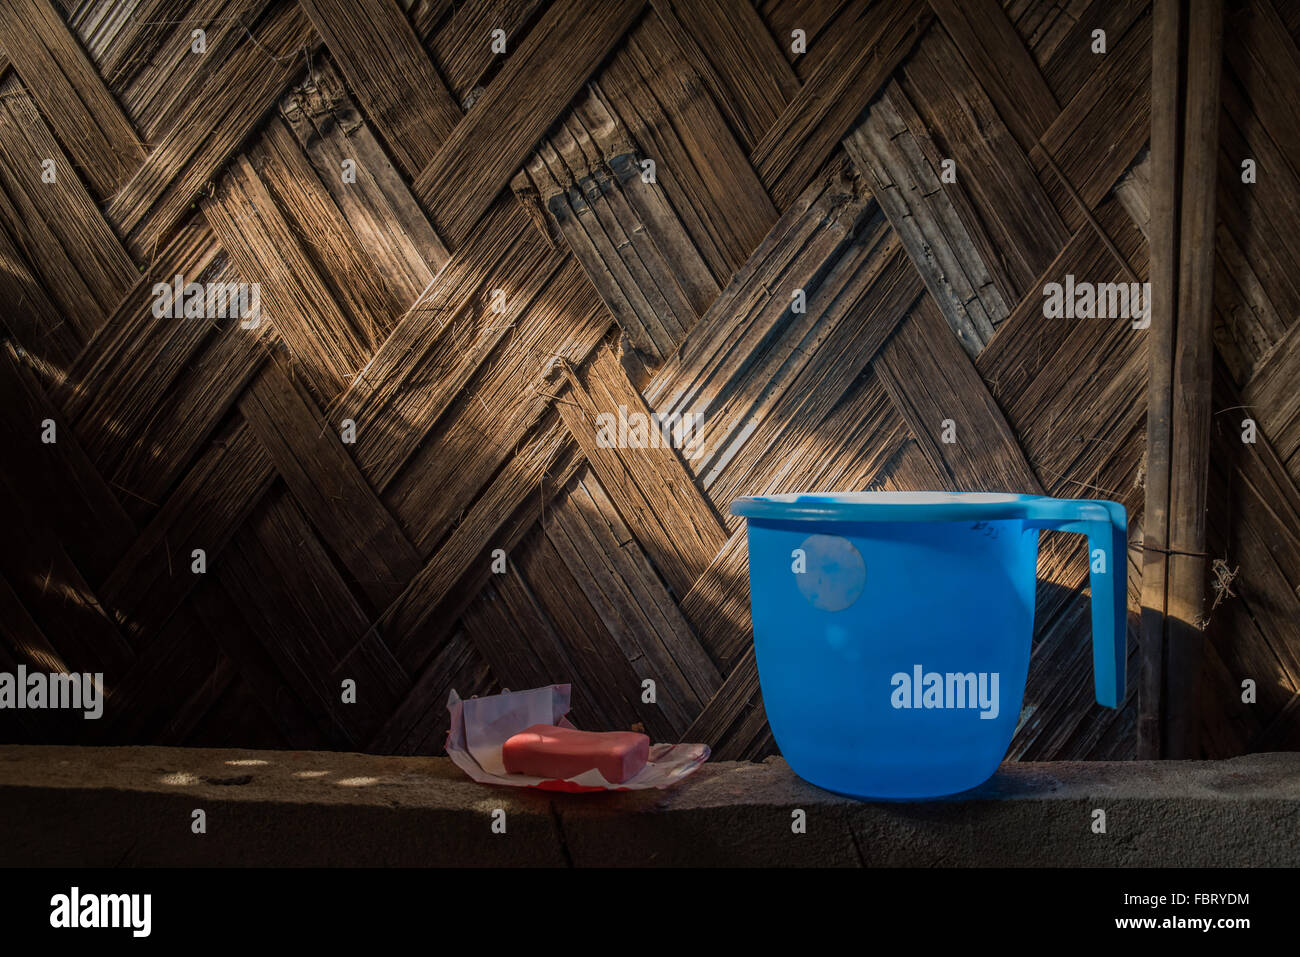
[[1101, 130], [229, 103], [760, 374], [1080, 378], [184, 375], [445, 336], [157, 451], [119, 39], [733, 52], [428, 16], [40, 255], [22, 641], [934, 220], [85, 116], [145, 53], [738, 696], [495, 412], [651, 487], [114, 39], [755, 306], [1193, 359], [390, 228], [58, 226], [216, 617], [541, 463], [508, 606], [645, 267], [418, 725], [587, 531], [312, 628], [219, 707], [608, 388], [1271, 396], [606, 676], [993, 170], [127, 344], [717, 605], [1027, 346], [518, 508], [815, 17], [29, 315], [370, 306], [377, 51], [1248, 323], [851, 442], [506, 609], [462, 48], [296, 302], [1133, 192], [931, 380], [1245, 637], [1266, 60], [1063, 46], [166, 690], [1233, 726], [1256, 240], [1253, 524], [1005, 70], [701, 168], [494, 139], [855, 320], [795, 146], [653, 314], [154, 576], [310, 457]]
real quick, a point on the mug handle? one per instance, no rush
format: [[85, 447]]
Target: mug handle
[[1106, 525]]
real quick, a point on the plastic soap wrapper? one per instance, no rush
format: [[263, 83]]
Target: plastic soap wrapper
[[481, 726]]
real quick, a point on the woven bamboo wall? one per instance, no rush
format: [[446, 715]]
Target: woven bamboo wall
[[498, 273]]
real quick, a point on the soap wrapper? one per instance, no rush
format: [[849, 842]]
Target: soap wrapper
[[480, 728]]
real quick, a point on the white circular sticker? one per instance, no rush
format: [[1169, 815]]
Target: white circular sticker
[[835, 574]]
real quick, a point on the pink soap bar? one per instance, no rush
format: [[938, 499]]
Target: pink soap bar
[[545, 751]]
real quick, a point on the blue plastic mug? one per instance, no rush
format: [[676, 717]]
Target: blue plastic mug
[[893, 629]]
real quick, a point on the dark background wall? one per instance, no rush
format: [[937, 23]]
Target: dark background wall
[[498, 273]]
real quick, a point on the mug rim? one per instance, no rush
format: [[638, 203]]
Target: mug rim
[[894, 506]]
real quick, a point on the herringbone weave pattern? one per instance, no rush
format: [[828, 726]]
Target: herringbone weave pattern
[[464, 258]]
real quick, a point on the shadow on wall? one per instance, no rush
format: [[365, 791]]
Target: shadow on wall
[[54, 584], [1250, 680]]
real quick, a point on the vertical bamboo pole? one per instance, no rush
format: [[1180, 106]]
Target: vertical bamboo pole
[[1193, 367], [1187, 55], [1166, 126]]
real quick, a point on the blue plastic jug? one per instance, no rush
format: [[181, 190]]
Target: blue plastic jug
[[892, 630]]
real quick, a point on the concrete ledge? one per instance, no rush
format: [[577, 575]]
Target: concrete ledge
[[70, 806]]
